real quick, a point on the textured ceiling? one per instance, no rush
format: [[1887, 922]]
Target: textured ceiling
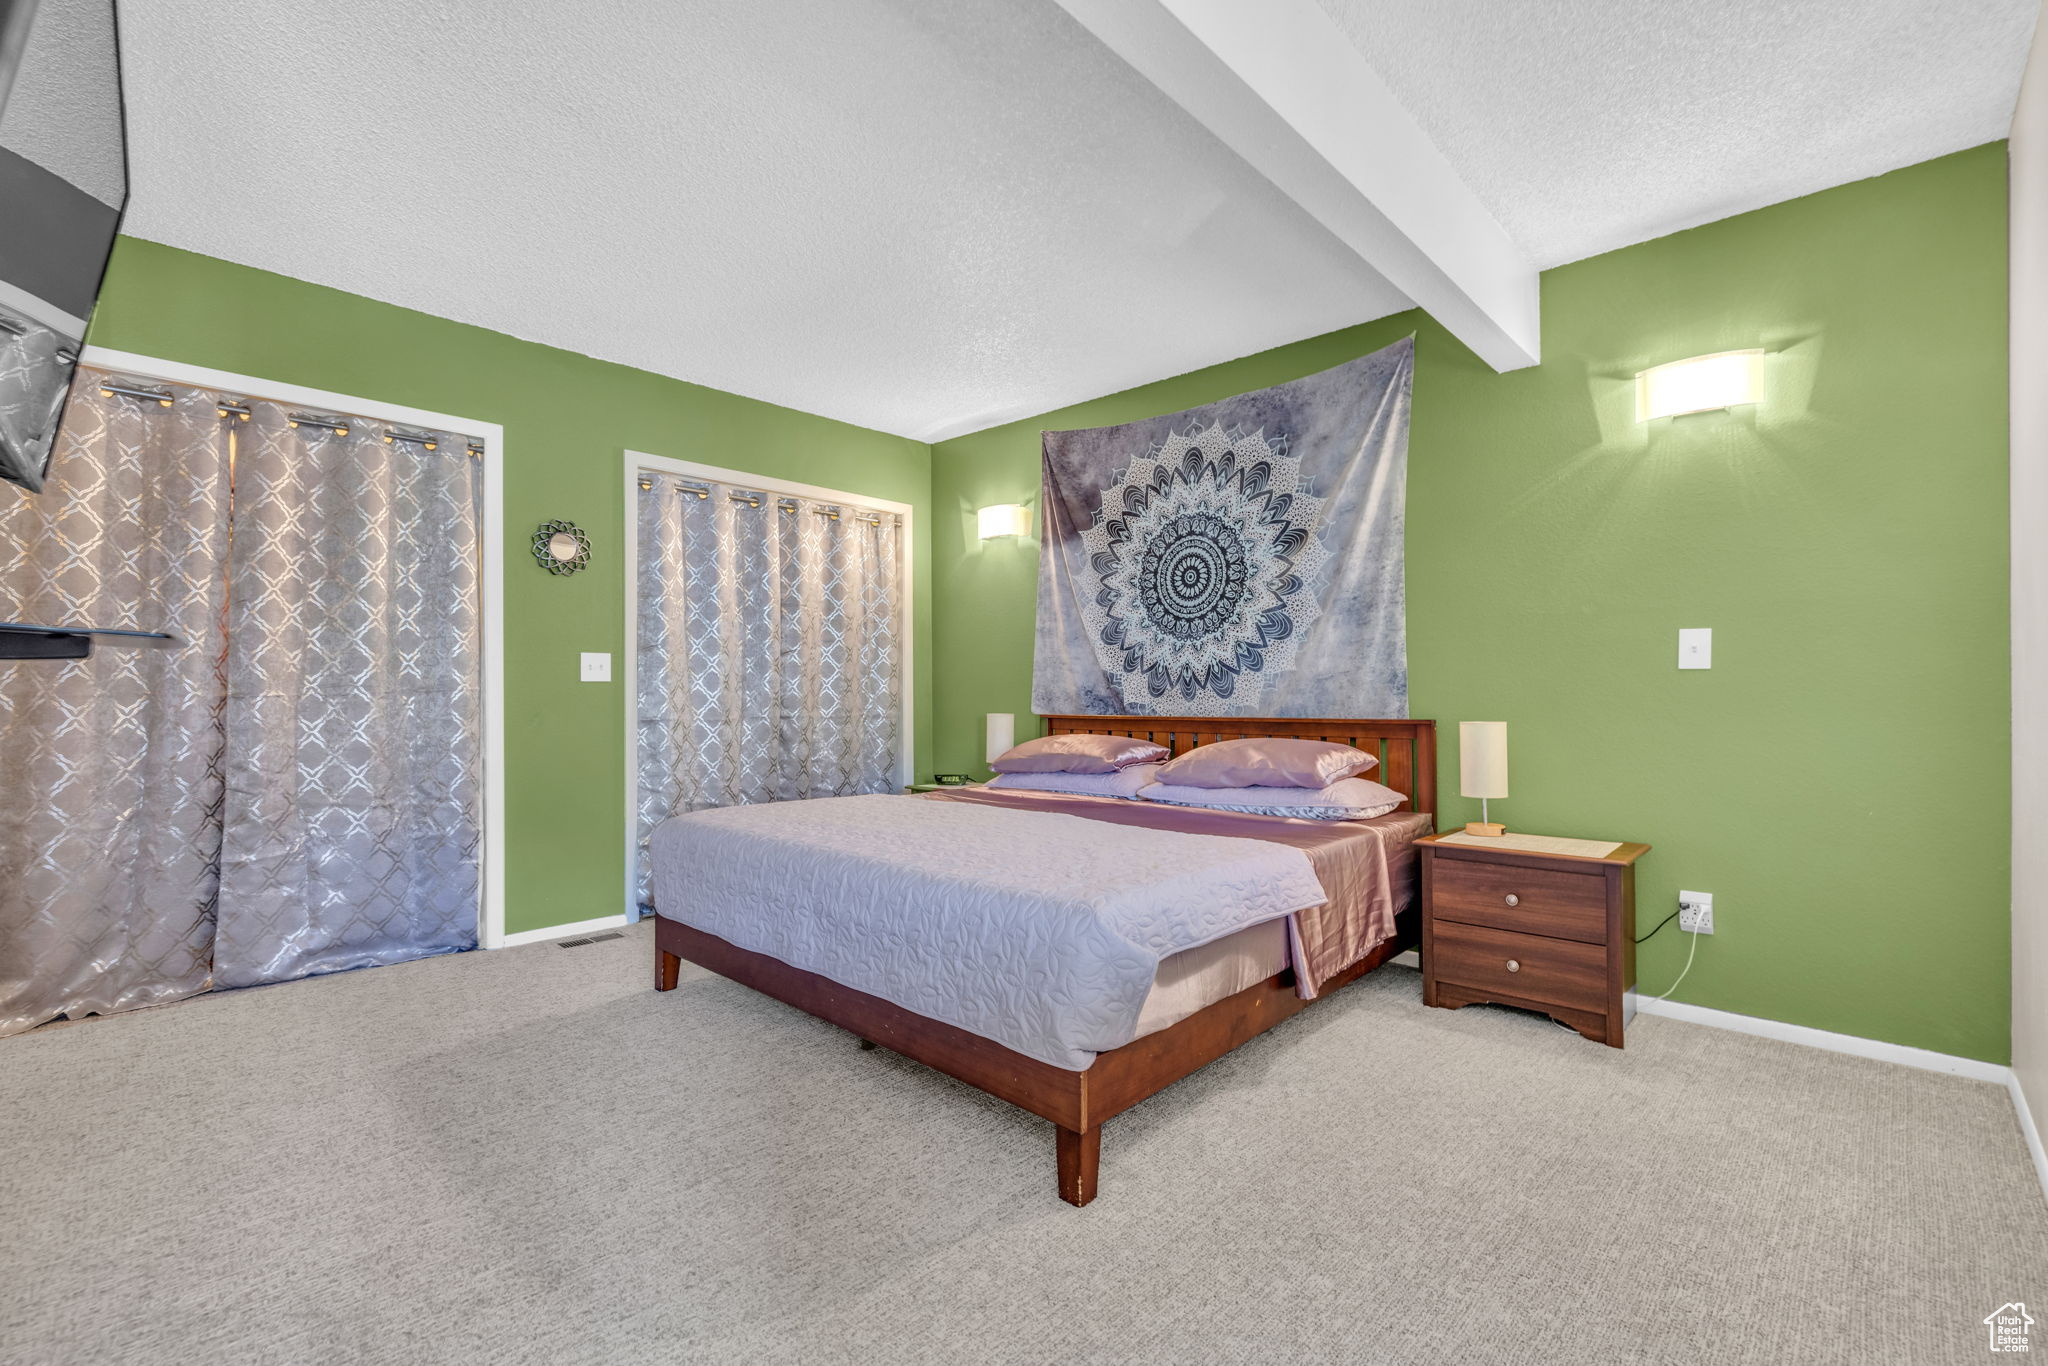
[[1585, 125], [923, 216], [929, 216]]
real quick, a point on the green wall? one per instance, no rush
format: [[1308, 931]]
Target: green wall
[[568, 420], [1838, 780]]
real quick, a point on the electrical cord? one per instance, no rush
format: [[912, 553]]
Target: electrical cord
[[1682, 971], [1661, 924]]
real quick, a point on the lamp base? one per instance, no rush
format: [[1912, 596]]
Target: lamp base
[[1490, 829]]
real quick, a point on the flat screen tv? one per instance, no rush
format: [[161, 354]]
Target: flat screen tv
[[63, 185]]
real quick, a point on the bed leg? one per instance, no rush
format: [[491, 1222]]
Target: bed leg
[[667, 968], [1080, 1154], [867, 1045]]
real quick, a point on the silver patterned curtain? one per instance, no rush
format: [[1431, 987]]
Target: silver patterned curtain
[[769, 650], [295, 787], [110, 767], [353, 701]]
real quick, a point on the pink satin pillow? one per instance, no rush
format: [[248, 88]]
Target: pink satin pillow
[[1267, 761], [1347, 799], [1078, 754], [1125, 783]]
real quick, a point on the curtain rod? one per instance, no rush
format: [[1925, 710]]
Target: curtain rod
[[161, 397], [786, 504], [329, 424], [240, 409]]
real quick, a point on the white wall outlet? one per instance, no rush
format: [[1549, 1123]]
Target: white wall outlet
[[1695, 647], [1696, 912], [597, 668]]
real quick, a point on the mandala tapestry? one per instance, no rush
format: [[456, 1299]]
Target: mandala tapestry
[[1239, 559]]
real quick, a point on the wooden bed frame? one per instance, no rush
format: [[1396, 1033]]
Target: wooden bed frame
[[1078, 1102]]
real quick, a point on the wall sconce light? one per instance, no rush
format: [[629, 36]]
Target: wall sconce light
[[1700, 384], [1004, 519]]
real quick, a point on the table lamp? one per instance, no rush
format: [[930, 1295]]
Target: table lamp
[[1483, 769]]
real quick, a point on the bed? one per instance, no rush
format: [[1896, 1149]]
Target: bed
[[1060, 1057]]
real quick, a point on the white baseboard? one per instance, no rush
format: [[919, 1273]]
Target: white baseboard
[[603, 922], [2033, 1135], [1925, 1059]]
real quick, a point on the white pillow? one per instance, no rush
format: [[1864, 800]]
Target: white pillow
[[1347, 799], [1124, 783]]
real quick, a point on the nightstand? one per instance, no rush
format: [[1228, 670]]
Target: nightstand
[[1545, 931]]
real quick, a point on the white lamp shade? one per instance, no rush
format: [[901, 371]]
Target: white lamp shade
[[1002, 734], [1003, 519], [1483, 758], [1700, 384]]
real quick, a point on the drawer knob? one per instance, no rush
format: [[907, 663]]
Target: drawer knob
[[1513, 966], [1513, 900]]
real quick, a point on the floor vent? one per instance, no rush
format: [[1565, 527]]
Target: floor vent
[[592, 939]]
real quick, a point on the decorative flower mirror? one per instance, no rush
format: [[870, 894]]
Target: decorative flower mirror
[[561, 547]]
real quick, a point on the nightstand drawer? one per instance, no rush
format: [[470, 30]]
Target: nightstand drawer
[[1548, 901], [1559, 972]]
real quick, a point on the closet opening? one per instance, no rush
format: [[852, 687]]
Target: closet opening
[[310, 780], [768, 645]]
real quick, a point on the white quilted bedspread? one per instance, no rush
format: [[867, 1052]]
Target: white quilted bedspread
[[1040, 931]]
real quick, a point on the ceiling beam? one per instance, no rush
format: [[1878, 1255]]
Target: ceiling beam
[[1280, 85]]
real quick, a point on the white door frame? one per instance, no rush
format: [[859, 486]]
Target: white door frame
[[636, 461], [491, 907]]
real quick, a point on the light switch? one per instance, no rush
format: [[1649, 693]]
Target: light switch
[[1695, 647], [597, 668]]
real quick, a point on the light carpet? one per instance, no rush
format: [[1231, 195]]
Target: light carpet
[[530, 1156]]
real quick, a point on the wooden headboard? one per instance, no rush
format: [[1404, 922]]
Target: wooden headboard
[[1406, 748]]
